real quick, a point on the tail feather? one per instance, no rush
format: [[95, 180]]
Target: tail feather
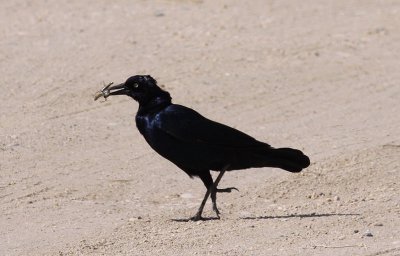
[[289, 159]]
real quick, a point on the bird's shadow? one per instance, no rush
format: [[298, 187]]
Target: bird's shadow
[[190, 219], [306, 215]]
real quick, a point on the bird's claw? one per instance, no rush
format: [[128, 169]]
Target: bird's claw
[[216, 211], [226, 190], [103, 92], [196, 217]]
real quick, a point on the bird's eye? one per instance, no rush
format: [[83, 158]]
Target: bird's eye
[[135, 85]]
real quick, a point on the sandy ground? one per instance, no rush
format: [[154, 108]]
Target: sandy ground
[[76, 177]]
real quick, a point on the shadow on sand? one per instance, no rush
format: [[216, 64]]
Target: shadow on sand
[[309, 215], [190, 219]]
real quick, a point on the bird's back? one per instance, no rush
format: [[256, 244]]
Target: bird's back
[[195, 143]]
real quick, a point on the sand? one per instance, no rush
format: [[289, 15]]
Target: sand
[[77, 178]]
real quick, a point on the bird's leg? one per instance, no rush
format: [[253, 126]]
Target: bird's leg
[[208, 183], [214, 191], [197, 216]]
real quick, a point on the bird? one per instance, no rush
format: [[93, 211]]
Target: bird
[[196, 144]]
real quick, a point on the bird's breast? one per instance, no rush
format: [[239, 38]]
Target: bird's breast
[[143, 123], [147, 126]]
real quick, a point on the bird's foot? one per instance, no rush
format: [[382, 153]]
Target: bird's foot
[[214, 198], [226, 190], [215, 209], [196, 217]]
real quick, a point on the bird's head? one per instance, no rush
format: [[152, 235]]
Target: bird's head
[[142, 88]]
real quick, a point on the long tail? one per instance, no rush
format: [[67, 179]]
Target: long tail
[[289, 159]]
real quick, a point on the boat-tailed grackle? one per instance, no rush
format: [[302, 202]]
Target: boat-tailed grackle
[[196, 144]]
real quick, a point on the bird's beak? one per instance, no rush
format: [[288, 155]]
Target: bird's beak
[[108, 90], [118, 89]]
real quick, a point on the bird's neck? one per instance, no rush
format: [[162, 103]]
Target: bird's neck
[[154, 105]]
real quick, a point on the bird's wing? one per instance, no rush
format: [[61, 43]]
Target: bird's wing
[[187, 125]]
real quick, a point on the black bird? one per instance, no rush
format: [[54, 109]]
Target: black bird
[[196, 144]]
